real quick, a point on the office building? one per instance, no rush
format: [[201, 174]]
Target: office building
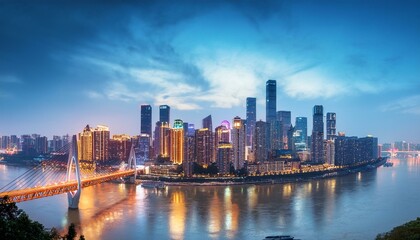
[[260, 141], [317, 148], [146, 120], [177, 142], [203, 146], [271, 100], [85, 144], [119, 147], [284, 119], [164, 114], [224, 157], [238, 143], [331, 126], [301, 126], [101, 143], [251, 118], [207, 123]]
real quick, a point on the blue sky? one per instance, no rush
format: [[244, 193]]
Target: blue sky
[[66, 64]]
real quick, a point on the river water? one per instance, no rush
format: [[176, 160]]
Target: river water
[[356, 206]]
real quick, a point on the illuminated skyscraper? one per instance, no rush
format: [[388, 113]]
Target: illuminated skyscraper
[[164, 140], [224, 157], [119, 147], [251, 118], [331, 128], [207, 123], [203, 146], [271, 100], [284, 118], [146, 120], [238, 143], [101, 143], [301, 125], [164, 114], [177, 142], [85, 144], [317, 147], [260, 141]]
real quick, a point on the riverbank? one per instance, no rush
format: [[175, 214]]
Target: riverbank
[[264, 179]]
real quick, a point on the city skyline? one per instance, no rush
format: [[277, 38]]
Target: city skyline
[[57, 76]]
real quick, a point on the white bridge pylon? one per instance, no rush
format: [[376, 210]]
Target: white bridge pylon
[[74, 196]]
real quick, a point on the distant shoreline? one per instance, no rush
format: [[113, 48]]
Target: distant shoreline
[[267, 179]]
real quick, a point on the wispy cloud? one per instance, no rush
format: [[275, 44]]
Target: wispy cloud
[[409, 105]]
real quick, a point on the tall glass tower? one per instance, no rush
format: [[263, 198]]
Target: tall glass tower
[[164, 111], [331, 122], [146, 120], [251, 118], [317, 146], [271, 99]]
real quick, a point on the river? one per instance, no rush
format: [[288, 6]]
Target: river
[[356, 206]]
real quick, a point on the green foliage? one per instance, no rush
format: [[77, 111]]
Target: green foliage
[[408, 231], [15, 224]]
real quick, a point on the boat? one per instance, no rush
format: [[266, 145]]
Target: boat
[[280, 237], [388, 164], [153, 184]]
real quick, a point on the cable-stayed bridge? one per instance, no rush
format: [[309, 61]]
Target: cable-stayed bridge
[[52, 177]]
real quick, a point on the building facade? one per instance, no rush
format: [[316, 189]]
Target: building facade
[[317, 146]]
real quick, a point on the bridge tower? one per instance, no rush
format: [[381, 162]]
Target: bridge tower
[[74, 196], [132, 164]]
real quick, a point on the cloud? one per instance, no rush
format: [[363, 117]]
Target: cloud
[[94, 94], [410, 105]]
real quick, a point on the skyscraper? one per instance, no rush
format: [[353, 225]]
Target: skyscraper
[[238, 143], [224, 157], [164, 114], [203, 146], [251, 118], [285, 120], [260, 139], [146, 120], [331, 122], [85, 144], [317, 147], [271, 99], [177, 142], [301, 124], [101, 143], [164, 139], [207, 123]]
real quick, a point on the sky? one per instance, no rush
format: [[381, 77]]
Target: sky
[[65, 64]]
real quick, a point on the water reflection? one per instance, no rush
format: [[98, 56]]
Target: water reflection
[[323, 208]]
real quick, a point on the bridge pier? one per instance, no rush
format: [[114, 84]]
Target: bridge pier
[[73, 197]]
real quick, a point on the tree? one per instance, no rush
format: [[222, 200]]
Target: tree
[[15, 224], [408, 231], [72, 232]]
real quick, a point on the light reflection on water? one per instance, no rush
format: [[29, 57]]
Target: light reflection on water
[[356, 206]]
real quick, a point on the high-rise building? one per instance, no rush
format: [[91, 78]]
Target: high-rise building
[[41, 145], [224, 157], [350, 150], [189, 152], [329, 151], [85, 144], [101, 143], [119, 147], [146, 120], [251, 118], [164, 114], [203, 146], [271, 100], [285, 120], [5, 142], [143, 152], [28, 145], [57, 143], [260, 139], [207, 123], [177, 142], [14, 142], [301, 125], [238, 143], [317, 147], [164, 139], [331, 128]]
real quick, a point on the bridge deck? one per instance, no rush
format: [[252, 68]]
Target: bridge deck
[[46, 191]]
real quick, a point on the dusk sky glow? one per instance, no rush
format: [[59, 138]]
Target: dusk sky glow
[[65, 64]]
